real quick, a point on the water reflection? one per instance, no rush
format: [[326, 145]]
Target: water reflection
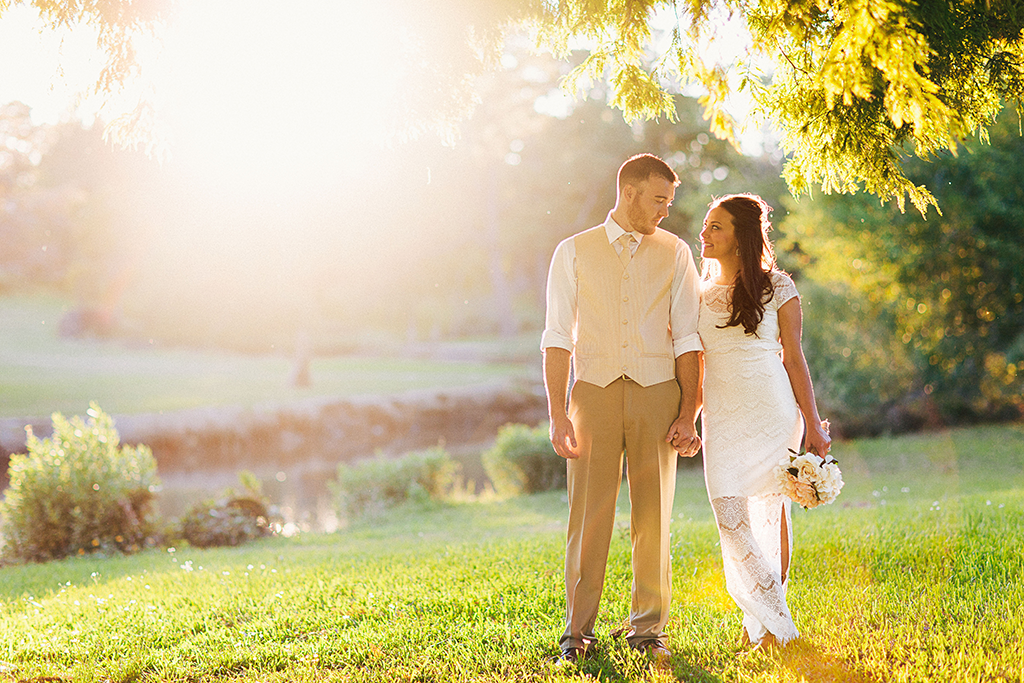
[[298, 492]]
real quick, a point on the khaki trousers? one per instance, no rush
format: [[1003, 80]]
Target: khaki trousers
[[623, 416]]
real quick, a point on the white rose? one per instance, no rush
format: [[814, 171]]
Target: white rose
[[808, 471], [787, 483], [833, 476]]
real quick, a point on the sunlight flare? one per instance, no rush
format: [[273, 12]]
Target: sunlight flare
[[259, 93]]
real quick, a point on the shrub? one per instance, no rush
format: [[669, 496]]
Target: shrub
[[234, 519], [78, 491], [523, 460], [227, 522], [371, 486]]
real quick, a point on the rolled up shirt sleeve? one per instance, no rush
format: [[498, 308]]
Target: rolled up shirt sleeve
[[685, 303], [560, 319]]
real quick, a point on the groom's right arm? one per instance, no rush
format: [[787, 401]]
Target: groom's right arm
[[556, 384], [557, 343]]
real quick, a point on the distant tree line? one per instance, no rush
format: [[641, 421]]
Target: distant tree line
[[910, 322]]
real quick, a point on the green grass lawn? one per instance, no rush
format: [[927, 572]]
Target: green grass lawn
[[41, 373], [916, 573]]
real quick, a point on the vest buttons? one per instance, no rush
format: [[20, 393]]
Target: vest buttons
[[625, 298], [625, 322], [625, 344]]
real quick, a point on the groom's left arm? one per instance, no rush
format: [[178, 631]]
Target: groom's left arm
[[685, 303], [683, 432]]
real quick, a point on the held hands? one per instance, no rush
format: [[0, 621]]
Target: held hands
[[683, 437], [563, 437]]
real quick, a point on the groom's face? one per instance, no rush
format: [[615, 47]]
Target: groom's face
[[648, 203]]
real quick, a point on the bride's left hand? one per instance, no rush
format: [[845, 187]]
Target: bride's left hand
[[818, 440]]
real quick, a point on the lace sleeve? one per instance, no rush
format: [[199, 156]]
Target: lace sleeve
[[784, 288]]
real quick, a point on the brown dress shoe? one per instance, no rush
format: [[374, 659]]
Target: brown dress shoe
[[654, 648], [570, 655]]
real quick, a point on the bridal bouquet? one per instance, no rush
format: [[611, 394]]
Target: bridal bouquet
[[809, 479]]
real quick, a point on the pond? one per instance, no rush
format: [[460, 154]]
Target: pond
[[294, 450], [299, 493]]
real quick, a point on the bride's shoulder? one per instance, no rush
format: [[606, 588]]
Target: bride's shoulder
[[785, 288]]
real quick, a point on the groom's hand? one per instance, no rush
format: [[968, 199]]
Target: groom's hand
[[683, 437], [563, 437]]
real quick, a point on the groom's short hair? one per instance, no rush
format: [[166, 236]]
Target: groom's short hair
[[639, 168]]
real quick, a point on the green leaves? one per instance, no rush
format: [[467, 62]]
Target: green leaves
[[78, 491], [855, 86], [523, 461], [373, 485], [946, 294]]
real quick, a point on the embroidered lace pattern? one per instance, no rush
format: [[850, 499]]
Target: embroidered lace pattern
[[750, 418], [717, 299], [750, 421], [751, 533]]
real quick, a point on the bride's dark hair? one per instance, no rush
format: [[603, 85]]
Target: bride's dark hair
[[753, 286]]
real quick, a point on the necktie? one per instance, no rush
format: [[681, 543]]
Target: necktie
[[626, 253]]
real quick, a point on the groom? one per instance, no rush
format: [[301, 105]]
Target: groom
[[622, 304]]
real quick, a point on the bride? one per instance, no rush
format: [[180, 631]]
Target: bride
[[756, 389]]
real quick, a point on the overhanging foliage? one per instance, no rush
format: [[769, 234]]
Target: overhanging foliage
[[854, 86]]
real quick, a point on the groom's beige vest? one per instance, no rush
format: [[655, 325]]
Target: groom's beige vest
[[622, 315]]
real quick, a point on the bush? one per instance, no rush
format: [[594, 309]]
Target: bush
[[232, 520], [371, 486], [228, 522], [78, 492], [523, 460]]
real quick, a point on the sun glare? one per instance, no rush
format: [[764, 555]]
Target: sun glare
[[48, 70], [260, 90]]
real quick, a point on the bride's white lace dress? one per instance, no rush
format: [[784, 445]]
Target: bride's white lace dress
[[749, 422]]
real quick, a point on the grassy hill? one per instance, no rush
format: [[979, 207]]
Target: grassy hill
[[916, 573]]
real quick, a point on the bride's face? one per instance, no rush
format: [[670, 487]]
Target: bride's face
[[718, 238]]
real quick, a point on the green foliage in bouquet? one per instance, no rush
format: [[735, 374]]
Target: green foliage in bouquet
[[523, 460], [78, 491], [373, 485], [234, 519]]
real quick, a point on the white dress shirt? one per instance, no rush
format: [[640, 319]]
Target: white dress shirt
[[560, 320]]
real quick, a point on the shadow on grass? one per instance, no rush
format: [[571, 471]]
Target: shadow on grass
[[691, 671], [811, 664], [616, 661], [804, 660]]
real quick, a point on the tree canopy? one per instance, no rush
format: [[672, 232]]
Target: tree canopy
[[854, 87], [120, 26], [946, 295]]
